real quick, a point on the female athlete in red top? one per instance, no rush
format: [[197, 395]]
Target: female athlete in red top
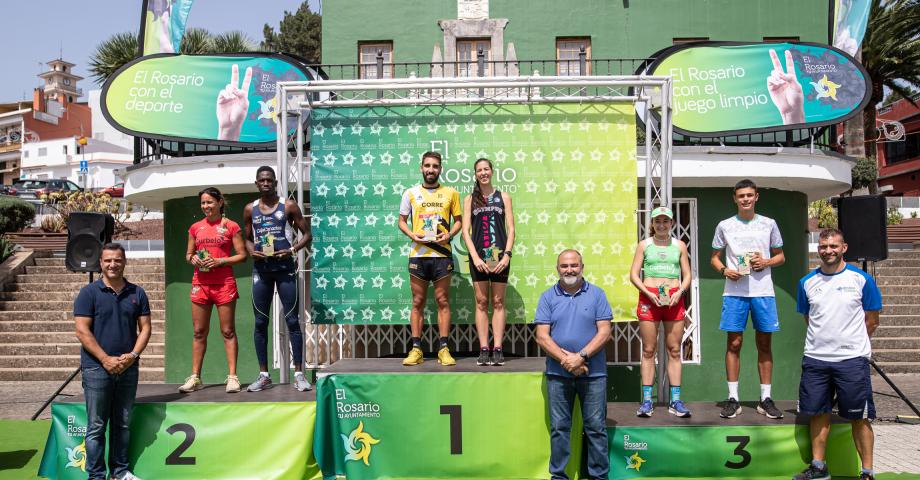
[[209, 244]]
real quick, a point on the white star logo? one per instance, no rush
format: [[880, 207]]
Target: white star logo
[[600, 217], [348, 251], [481, 154], [340, 282], [589, 185], [527, 125], [543, 217], [330, 315], [386, 251], [577, 155], [463, 313], [405, 250], [367, 159], [570, 186], [627, 185], [452, 127], [617, 312], [508, 126], [393, 127], [333, 220], [348, 314], [367, 315], [551, 186], [539, 249], [523, 217], [463, 157], [624, 279], [513, 280], [386, 158], [581, 217], [500, 156], [376, 128], [619, 216], [550, 279], [367, 251], [356, 128], [396, 281], [389, 220], [432, 127], [614, 155], [319, 130], [584, 125], [454, 281], [337, 129], [329, 160], [579, 246], [329, 251], [545, 126], [596, 155], [404, 313], [340, 190], [489, 127], [371, 220], [386, 314], [520, 156], [352, 220], [622, 125], [379, 189], [377, 282], [562, 217], [413, 127], [590, 278], [531, 280], [520, 313], [538, 156], [520, 249], [531, 186], [608, 185], [558, 155], [322, 282], [616, 248], [609, 280], [315, 220], [348, 159], [558, 247], [469, 127], [565, 125], [597, 248], [322, 190], [358, 282], [398, 189], [360, 189], [405, 158]]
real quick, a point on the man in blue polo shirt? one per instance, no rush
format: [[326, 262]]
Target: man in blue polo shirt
[[112, 317], [573, 325], [841, 304]]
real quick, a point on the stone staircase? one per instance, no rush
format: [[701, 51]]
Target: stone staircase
[[37, 340]]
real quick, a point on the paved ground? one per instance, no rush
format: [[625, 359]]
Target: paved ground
[[897, 446]]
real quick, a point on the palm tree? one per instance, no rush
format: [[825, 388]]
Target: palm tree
[[233, 41], [111, 54], [196, 41], [891, 54]]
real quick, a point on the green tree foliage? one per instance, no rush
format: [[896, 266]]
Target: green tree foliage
[[894, 217], [299, 33], [233, 41], [111, 54], [824, 212], [864, 173], [15, 214]]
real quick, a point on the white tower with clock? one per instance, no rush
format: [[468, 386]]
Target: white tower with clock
[[60, 82]]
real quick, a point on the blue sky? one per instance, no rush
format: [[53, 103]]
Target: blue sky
[[37, 31]]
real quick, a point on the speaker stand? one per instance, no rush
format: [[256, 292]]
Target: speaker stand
[[69, 379]]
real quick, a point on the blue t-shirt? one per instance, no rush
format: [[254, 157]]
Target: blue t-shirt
[[572, 321], [836, 306], [114, 317], [272, 228]]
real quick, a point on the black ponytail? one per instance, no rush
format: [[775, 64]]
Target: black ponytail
[[478, 201]]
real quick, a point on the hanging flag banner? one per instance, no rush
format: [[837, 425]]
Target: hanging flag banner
[[724, 89], [164, 24], [570, 171], [850, 20], [226, 99]]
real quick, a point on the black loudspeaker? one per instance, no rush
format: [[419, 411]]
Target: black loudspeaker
[[863, 223], [86, 234]]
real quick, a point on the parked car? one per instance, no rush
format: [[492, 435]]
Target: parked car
[[33, 189], [116, 191], [7, 190]]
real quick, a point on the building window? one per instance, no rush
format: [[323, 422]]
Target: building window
[[367, 58], [25, 154], [468, 57], [679, 40], [568, 56], [65, 149], [780, 39], [902, 151], [42, 151]]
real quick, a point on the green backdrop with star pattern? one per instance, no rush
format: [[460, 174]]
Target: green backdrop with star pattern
[[570, 170]]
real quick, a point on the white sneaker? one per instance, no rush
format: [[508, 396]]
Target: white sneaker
[[126, 476], [192, 383], [233, 384], [301, 383]]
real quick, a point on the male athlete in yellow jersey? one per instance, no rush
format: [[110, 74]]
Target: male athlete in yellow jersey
[[431, 206]]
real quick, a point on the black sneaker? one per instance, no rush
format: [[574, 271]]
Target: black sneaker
[[766, 407], [813, 473], [498, 358], [730, 409], [483, 357], [866, 476]]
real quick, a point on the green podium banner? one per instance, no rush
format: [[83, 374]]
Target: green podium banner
[[724, 451], [195, 441], [570, 170], [447, 426]]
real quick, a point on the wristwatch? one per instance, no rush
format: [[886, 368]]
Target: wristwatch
[[135, 355], [508, 253], [583, 354], [722, 271]]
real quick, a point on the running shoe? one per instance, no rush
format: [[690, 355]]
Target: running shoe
[[813, 473], [262, 382], [415, 357], [301, 383], [233, 384], [192, 383], [126, 476], [866, 476], [646, 409], [498, 357], [483, 357], [444, 357], [768, 408], [678, 409], [731, 409]]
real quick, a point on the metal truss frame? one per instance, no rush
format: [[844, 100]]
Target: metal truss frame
[[295, 101]]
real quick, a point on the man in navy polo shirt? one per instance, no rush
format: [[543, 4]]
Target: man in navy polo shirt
[[573, 325], [841, 304], [112, 317]]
